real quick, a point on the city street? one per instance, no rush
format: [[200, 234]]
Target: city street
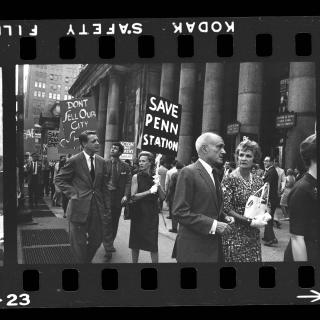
[[123, 253]]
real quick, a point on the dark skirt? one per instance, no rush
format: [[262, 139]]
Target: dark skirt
[[144, 226]]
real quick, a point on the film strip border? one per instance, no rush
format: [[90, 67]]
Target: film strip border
[[149, 285], [159, 39], [247, 39]]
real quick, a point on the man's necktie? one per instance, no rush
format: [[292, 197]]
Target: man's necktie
[[217, 185], [92, 169]]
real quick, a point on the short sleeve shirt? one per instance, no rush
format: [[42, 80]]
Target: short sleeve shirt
[[304, 212]]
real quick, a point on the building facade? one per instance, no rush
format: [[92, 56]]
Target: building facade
[[46, 85], [213, 97]]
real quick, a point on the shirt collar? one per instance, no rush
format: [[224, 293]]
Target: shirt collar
[[87, 156], [206, 166]]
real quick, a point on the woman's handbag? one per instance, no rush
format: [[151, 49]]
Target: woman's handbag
[[257, 206], [129, 209]]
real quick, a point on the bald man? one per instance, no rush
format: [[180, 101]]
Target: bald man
[[198, 205]]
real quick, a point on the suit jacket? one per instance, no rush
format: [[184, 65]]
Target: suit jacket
[[29, 171], [195, 206], [75, 181], [271, 176], [124, 177]]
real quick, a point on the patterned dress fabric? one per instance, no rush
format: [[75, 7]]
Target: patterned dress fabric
[[243, 243]]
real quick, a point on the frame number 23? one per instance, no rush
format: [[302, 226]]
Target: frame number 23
[[17, 300]]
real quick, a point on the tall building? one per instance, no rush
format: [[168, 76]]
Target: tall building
[[46, 84], [231, 99]]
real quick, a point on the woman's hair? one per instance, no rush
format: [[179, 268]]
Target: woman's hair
[[151, 159], [289, 172], [249, 145], [308, 150]]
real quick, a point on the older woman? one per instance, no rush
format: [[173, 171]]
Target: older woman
[[243, 242], [145, 220]]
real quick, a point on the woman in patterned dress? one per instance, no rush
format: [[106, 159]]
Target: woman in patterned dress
[[243, 242]]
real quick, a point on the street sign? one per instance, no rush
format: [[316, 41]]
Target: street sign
[[233, 128], [286, 120]]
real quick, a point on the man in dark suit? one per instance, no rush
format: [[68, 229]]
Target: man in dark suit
[[33, 170], [119, 186], [271, 176], [84, 180], [198, 204]]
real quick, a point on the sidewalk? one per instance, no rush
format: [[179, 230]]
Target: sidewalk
[[56, 222]]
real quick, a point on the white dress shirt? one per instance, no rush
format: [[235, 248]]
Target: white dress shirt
[[209, 170], [89, 160]]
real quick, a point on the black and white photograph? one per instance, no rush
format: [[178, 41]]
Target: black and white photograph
[[166, 163]]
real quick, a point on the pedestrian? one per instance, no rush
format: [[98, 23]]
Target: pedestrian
[[271, 176], [170, 172], [260, 172], [45, 172], [145, 220], [162, 172], [290, 181], [33, 170], [51, 178], [254, 169], [281, 186], [197, 204], [171, 192], [242, 244], [84, 180], [297, 174], [57, 197], [119, 185], [304, 244], [226, 168]]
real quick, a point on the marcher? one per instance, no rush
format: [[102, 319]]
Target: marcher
[[170, 172], [57, 197], [290, 181], [45, 177], [304, 244], [242, 244], [271, 176], [297, 174], [171, 192], [162, 172], [84, 180], [197, 204], [281, 185], [33, 170], [119, 185], [145, 220]]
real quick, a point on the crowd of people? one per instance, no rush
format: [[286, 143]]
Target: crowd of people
[[206, 199]]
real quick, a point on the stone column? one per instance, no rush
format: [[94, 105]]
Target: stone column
[[213, 98], [169, 81], [102, 113], [250, 97], [112, 121], [153, 78], [302, 99], [188, 78]]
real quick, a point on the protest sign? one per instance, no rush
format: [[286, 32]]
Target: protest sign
[[52, 153], [128, 150], [53, 138], [77, 115], [161, 126]]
